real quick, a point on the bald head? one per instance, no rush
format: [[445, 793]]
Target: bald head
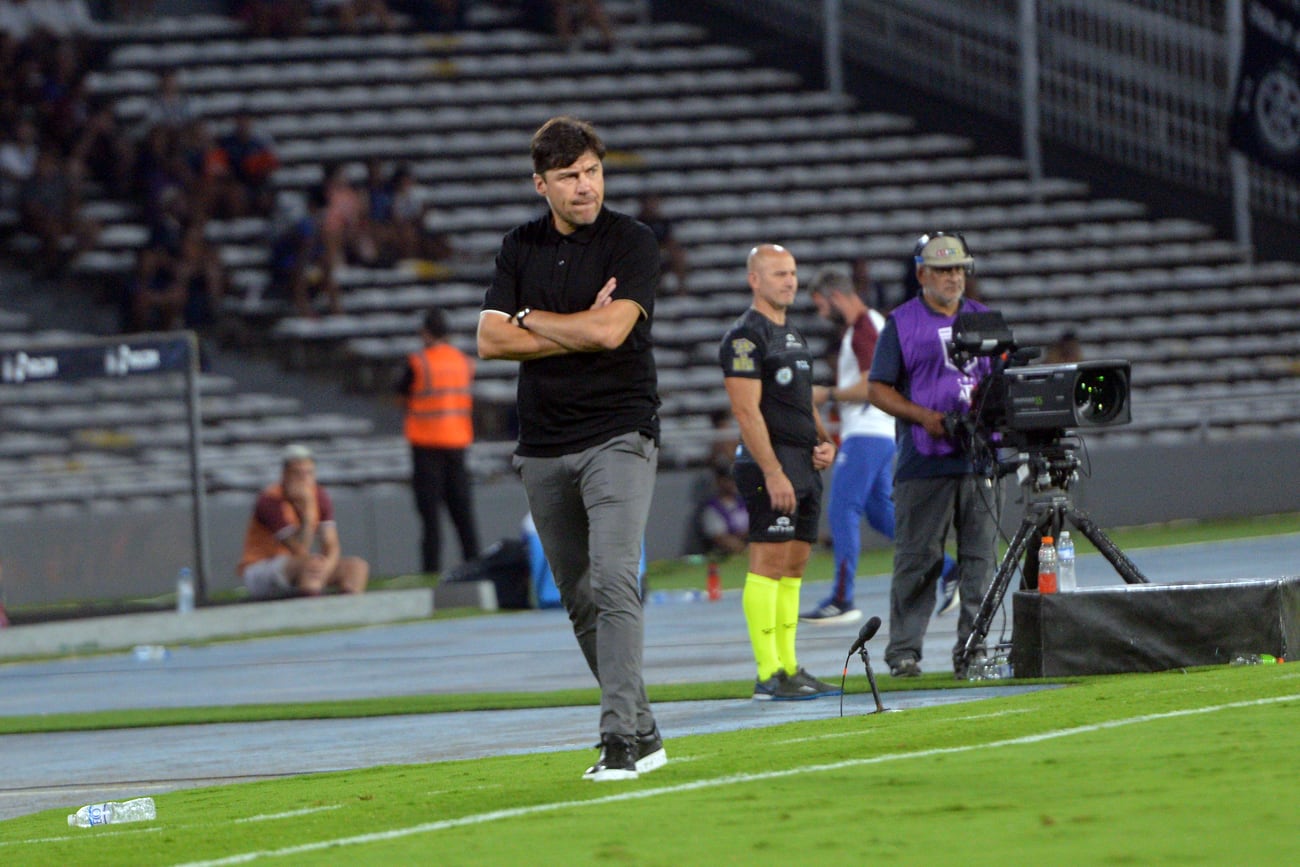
[[763, 251], [773, 278]]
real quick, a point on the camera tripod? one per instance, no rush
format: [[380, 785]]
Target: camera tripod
[[1046, 473]]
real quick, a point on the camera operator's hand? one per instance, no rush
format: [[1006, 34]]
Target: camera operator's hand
[[932, 421]]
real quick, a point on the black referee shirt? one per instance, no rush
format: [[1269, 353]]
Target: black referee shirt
[[755, 347], [571, 402]]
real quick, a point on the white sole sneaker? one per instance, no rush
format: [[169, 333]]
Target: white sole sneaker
[[851, 616], [652, 762]]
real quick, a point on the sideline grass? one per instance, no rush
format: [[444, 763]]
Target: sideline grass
[[1178, 768], [688, 573], [417, 704]]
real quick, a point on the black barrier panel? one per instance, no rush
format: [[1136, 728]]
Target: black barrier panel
[[1153, 627], [115, 358]]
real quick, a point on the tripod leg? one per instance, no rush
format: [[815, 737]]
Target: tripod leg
[[993, 598], [1126, 568]]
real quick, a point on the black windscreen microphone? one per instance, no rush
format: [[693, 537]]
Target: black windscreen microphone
[[869, 629]]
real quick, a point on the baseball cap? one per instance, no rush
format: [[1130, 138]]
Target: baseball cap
[[944, 251], [296, 452]]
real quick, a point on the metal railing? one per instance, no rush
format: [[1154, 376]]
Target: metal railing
[[1142, 83]]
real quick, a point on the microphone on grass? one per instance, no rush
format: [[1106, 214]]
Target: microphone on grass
[[869, 629], [865, 634]]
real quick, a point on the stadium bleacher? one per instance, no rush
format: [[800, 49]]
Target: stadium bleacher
[[737, 153]]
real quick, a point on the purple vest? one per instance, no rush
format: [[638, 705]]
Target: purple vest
[[934, 381]]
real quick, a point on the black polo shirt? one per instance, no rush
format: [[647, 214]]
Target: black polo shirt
[[755, 347], [571, 402]]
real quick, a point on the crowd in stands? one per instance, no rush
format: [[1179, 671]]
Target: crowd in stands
[[181, 170], [53, 130]]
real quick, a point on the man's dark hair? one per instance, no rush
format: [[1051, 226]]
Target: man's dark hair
[[831, 279], [435, 323], [561, 140]]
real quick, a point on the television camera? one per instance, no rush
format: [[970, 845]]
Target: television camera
[[1021, 419]]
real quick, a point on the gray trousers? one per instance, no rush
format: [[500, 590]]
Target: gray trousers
[[591, 509], [923, 510]]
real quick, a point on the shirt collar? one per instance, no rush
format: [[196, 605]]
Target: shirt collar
[[580, 235]]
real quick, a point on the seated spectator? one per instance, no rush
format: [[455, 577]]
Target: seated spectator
[[170, 107], [300, 268], [101, 151], [292, 546], [410, 219], [723, 520], [672, 254], [51, 210], [252, 158], [379, 210], [347, 236], [179, 280], [17, 160], [211, 185]]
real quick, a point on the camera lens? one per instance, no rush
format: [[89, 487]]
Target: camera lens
[[1098, 396]]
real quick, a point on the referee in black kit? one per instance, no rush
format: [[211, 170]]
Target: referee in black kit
[[572, 300]]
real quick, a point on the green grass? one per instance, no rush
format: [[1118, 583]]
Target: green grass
[[1180, 768], [411, 704], [690, 573]]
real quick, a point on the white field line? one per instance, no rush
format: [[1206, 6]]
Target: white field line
[[992, 715], [289, 814], [99, 836], [825, 737], [715, 782]]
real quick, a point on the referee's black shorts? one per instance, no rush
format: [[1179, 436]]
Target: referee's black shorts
[[768, 525]]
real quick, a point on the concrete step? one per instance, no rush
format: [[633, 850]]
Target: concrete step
[[118, 632]]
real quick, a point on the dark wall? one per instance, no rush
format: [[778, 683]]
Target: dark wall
[[112, 552]]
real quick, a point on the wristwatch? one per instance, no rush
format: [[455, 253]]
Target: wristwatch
[[519, 317]]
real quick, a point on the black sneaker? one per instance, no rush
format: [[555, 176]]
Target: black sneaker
[[617, 760], [783, 687], [829, 612], [650, 753], [905, 668], [819, 688]]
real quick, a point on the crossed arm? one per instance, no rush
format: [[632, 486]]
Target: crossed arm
[[604, 325]]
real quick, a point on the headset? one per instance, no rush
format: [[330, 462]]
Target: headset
[[930, 236]]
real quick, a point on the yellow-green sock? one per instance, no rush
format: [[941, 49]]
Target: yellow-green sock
[[759, 603], [787, 621]]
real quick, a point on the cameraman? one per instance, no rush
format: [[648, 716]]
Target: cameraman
[[935, 483]]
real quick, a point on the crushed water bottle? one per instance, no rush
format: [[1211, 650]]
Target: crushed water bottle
[[1255, 659], [113, 813], [992, 664]]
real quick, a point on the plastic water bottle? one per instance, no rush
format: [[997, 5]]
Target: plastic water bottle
[[713, 584], [114, 812], [1047, 566], [1065, 580], [185, 591], [1256, 659]]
